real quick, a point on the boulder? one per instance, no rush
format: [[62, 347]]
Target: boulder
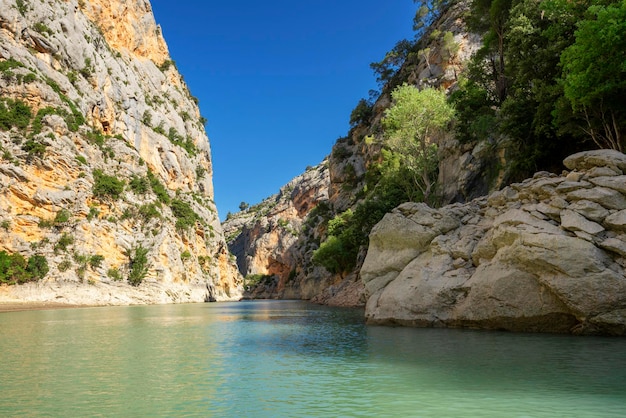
[[588, 160], [548, 263]]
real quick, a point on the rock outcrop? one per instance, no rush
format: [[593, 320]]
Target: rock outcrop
[[548, 254], [104, 157], [272, 240], [348, 165]]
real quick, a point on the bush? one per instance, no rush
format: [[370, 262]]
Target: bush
[[64, 265], [149, 211], [147, 118], [157, 187], [258, 279], [165, 65], [95, 137], [185, 143], [114, 274], [14, 113], [185, 255], [16, 269], [185, 215], [42, 28], [107, 186], [34, 149], [64, 241], [62, 216], [29, 78], [93, 212], [95, 261], [139, 185], [138, 265], [9, 64], [21, 7], [37, 267], [37, 126]]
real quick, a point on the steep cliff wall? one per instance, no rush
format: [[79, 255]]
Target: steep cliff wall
[[544, 255], [271, 240], [104, 159], [357, 154]]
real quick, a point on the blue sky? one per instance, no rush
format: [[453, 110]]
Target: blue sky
[[277, 80]]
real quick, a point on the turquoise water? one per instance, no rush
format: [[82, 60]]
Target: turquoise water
[[293, 359]]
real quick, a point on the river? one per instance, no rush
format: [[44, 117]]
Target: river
[[293, 359]]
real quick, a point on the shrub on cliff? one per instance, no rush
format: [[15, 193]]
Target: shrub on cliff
[[138, 265], [14, 113], [106, 186], [185, 215], [158, 188], [16, 269]]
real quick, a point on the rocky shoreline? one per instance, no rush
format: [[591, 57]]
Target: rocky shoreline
[[35, 306], [76, 294], [545, 255]]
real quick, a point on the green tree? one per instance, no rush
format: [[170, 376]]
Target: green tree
[[361, 113], [427, 12], [137, 264], [37, 267], [491, 18], [15, 268], [385, 69], [413, 125], [594, 74]]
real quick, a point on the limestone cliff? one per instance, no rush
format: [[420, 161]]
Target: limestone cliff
[[273, 241], [351, 159], [547, 254], [105, 167]]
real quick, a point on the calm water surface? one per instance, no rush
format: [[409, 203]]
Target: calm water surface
[[293, 359]]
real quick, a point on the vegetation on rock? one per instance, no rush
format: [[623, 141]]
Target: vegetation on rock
[[107, 187], [186, 217], [137, 265], [541, 80], [16, 269], [413, 125]]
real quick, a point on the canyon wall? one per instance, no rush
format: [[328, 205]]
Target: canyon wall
[[345, 183], [105, 166], [273, 240]]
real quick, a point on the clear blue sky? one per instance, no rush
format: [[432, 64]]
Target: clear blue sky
[[277, 79]]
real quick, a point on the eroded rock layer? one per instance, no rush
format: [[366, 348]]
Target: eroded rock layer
[[105, 159], [271, 239], [547, 255]]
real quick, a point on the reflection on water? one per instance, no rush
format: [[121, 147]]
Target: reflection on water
[[285, 358]]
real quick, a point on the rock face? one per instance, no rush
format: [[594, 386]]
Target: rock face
[[348, 165], [272, 239], [104, 106], [544, 255]]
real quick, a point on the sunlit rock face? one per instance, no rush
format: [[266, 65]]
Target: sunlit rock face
[[347, 166], [105, 102], [271, 239], [547, 254]]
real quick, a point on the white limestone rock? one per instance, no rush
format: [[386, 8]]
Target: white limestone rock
[[552, 266]]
